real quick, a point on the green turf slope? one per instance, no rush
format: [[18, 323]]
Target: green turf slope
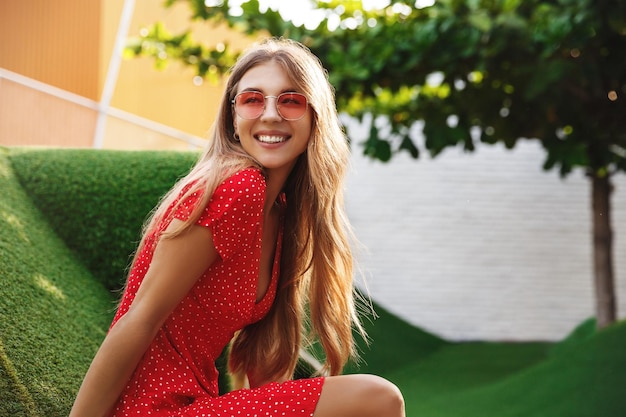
[[580, 377], [391, 342], [53, 314], [97, 200]]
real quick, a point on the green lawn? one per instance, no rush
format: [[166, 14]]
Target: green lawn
[[586, 379], [581, 376], [69, 220], [53, 314]]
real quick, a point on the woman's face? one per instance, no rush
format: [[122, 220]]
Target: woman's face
[[275, 142]]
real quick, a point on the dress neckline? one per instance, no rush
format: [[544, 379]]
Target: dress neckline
[[271, 288]]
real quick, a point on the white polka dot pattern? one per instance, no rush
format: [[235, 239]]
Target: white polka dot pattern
[[177, 374]]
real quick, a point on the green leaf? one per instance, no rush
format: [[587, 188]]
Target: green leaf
[[375, 147], [408, 145], [480, 20]]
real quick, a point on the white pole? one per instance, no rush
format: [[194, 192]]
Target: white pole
[[114, 68]]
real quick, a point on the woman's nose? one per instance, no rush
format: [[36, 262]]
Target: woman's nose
[[270, 111]]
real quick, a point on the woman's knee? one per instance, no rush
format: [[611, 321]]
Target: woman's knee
[[386, 395], [360, 395]]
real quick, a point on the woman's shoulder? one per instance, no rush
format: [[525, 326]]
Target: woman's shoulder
[[246, 185], [248, 179], [251, 174]]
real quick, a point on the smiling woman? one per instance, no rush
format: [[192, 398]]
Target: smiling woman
[[265, 134], [238, 250]]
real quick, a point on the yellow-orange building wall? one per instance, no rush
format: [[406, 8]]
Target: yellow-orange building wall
[[170, 96], [68, 44], [55, 42]]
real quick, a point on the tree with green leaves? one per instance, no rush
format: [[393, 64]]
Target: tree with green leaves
[[491, 71]]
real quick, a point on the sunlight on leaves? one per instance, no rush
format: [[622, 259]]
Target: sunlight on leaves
[[441, 91], [475, 77]]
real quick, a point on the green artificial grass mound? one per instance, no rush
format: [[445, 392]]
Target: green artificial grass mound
[[53, 314], [587, 380], [584, 331], [97, 200], [582, 376], [401, 342]]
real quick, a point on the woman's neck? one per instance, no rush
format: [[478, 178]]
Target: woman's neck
[[275, 183]]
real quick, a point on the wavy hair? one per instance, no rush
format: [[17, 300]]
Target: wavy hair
[[315, 300]]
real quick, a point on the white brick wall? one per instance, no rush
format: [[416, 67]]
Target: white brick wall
[[482, 245]]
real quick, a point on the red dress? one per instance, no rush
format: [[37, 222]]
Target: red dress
[[177, 374]]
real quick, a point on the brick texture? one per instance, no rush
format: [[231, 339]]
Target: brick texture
[[480, 246]]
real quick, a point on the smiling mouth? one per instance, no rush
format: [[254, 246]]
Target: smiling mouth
[[271, 138]]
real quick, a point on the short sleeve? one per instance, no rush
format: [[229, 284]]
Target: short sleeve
[[234, 212]]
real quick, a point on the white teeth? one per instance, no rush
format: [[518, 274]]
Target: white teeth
[[271, 139]]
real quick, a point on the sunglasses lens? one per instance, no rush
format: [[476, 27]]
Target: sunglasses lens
[[291, 106], [251, 104]]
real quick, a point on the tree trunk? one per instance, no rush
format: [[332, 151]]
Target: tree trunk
[[603, 249]]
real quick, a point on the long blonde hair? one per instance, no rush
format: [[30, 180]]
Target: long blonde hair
[[316, 263]]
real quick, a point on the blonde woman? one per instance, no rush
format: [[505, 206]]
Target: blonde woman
[[250, 248]]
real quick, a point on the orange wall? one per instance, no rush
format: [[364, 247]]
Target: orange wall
[[169, 96], [68, 44], [56, 42], [29, 117]]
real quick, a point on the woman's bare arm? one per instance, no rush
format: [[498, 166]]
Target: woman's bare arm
[[176, 265]]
